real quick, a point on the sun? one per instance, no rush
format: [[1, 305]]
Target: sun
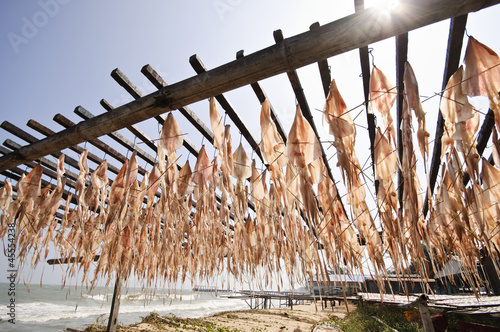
[[383, 4]]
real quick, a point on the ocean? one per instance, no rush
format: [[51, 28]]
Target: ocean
[[50, 308]]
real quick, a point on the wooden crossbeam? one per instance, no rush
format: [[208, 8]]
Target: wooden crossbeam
[[261, 96], [364, 59], [324, 69], [134, 91], [158, 81], [119, 138], [345, 34], [455, 38], [293, 77], [200, 68], [49, 167], [79, 150], [16, 131], [132, 128], [401, 58], [65, 122]]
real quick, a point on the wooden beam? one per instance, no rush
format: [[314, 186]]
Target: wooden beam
[[293, 77], [157, 81], [455, 39], [200, 68], [401, 58], [63, 121], [364, 59], [119, 138], [14, 130], [123, 80], [134, 91], [92, 157], [49, 167], [324, 68], [67, 260], [343, 35], [132, 128], [261, 96]]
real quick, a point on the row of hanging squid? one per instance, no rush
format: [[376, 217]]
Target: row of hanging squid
[[227, 216]]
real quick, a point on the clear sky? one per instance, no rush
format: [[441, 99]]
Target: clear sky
[[58, 54]]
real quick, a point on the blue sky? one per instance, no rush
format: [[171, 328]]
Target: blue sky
[[58, 54]]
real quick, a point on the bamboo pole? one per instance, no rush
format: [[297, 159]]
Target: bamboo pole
[[351, 32]]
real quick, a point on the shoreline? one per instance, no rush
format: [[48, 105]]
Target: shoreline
[[303, 317]]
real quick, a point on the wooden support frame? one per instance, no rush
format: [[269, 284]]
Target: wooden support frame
[[365, 73], [200, 68], [345, 34], [261, 96], [456, 35], [401, 58]]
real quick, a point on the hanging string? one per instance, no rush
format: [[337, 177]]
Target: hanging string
[[133, 147], [370, 51]]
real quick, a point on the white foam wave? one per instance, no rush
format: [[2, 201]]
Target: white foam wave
[[44, 311]]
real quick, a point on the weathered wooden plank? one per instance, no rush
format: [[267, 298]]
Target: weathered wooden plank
[[455, 38], [66, 260], [324, 68], [364, 59], [63, 121], [401, 58], [125, 82], [345, 34], [14, 130], [90, 156], [119, 138], [200, 68], [49, 167], [133, 129], [11, 175], [293, 77], [153, 76], [261, 95], [158, 82]]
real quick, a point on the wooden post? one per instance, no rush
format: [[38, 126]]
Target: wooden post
[[115, 304], [425, 314]]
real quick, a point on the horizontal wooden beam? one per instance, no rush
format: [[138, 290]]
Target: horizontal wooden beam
[[79, 150], [57, 261], [348, 33]]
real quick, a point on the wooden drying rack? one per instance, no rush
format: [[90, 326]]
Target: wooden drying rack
[[355, 31]]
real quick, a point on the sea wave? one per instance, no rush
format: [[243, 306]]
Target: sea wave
[[141, 297], [46, 311]]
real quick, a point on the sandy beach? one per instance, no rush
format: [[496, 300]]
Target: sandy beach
[[304, 317]]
